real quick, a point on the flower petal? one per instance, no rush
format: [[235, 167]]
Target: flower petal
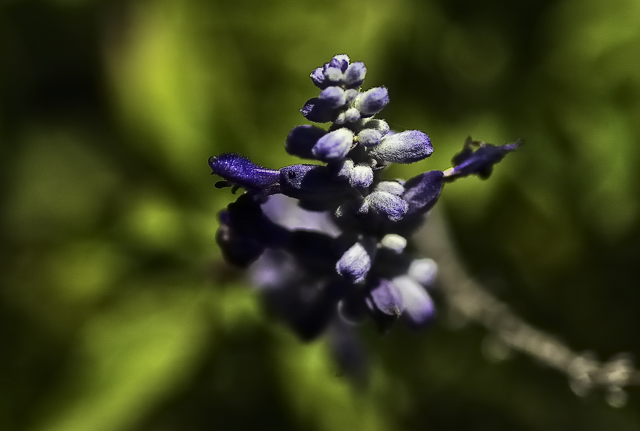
[[242, 171]]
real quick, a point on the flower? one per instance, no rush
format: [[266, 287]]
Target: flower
[[327, 243]]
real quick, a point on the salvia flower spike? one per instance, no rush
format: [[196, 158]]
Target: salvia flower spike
[[327, 242]]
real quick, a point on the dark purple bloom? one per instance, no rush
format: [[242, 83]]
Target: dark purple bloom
[[479, 162], [327, 243], [422, 192], [240, 171]]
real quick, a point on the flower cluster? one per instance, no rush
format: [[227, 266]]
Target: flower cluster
[[341, 253]]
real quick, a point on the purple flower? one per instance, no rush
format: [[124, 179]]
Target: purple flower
[[327, 244], [240, 171], [479, 162]]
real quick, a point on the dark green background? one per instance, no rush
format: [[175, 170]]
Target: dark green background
[[116, 312]]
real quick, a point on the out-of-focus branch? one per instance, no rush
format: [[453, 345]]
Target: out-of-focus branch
[[507, 331]]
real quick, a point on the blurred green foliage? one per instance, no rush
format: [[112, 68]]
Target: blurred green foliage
[[116, 311]]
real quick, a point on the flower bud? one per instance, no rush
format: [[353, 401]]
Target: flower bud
[[334, 145], [355, 263], [333, 75], [317, 77], [333, 96], [372, 101], [340, 61], [361, 176], [317, 110], [354, 76], [369, 137], [406, 147], [351, 115], [419, 307], [302, 139], [385, 303], [393, 187], [377, 124], [391, 206]]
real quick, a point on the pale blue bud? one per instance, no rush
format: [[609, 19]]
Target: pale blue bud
[[334, 145], [406, 147]]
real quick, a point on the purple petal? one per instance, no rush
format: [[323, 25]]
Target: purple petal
[[479, 162], [422, 192], [241, 171]]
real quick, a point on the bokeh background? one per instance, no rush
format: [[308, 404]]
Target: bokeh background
[[116, 311]]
